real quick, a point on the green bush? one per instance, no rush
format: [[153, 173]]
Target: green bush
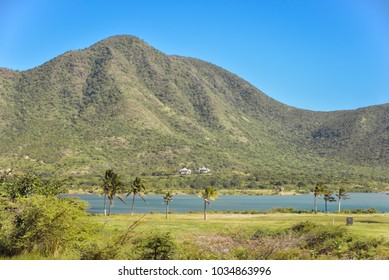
[[360, 211], [158, 246], [303, 227], [364, 249], [308, 240], [48, 226]]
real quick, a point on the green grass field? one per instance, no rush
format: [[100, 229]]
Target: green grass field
[[181, 225], [262, 236]]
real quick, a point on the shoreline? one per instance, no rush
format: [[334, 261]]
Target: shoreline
[[223, 192]]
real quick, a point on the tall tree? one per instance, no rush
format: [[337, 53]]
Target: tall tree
[[342, 194], [318, 190], [167, 198], [136, 188], [328, 197], [208, 194], [112, 184]]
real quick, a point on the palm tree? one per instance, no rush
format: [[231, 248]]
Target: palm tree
[[328, 196], [111, 185], [208, 194], [319, 189], [106, 187], [167, 198], [136, 189], [342, 194]]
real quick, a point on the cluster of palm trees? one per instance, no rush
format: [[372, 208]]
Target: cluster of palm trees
[[328, 196], [208, 194], [112, 185]]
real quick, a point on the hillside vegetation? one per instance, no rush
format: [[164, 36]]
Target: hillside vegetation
[[124, 105]]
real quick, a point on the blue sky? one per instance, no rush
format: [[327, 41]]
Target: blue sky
[[319, 55]]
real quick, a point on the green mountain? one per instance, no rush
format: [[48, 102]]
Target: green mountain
[[122, 104]]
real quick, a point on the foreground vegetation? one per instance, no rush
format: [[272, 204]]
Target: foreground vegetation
[[37, 224], [223, 236], [266, 236]]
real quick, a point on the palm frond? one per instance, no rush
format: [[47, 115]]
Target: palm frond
[[143, 197], [120, 198]]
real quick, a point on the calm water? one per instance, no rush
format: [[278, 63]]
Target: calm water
[[187, 203]]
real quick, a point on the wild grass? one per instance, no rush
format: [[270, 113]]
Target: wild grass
[[264, 236]]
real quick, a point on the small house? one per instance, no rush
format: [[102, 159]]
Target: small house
[[185, 171], [203, 170]]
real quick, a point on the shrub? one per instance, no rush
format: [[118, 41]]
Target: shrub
[[303, 227], [360, 211], [364, 249], [48, 226], [158, 246], [266, 232]]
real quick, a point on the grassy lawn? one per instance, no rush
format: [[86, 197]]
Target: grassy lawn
[[183, 226]]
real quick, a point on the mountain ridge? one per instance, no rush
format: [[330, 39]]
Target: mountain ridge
[[123, 103]]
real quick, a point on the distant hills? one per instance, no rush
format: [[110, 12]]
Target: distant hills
[[123, 104]]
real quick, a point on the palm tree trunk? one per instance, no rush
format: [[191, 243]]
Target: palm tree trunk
[[314, 204], [133, 203], [105, 205], [109, 208], [167, 209], [339, 204], [205, 210]]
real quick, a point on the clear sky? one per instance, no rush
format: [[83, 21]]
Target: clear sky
[[314, 54]]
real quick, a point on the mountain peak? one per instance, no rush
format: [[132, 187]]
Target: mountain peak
[[121, 39], [121, 42]]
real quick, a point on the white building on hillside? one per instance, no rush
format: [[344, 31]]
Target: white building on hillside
[[185, 171], [203, 170]]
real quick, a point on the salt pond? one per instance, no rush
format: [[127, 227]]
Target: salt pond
[[192, 203]]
